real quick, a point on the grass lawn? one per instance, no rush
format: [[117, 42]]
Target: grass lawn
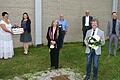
[[72, 56]]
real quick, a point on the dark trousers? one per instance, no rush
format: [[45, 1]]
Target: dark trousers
[[61, 38], [84, 35], [92, 57], [54, 57], [86, 28]]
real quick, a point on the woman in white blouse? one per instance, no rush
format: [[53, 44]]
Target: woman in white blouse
[[6, 41]]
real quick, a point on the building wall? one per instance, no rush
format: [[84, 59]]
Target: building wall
[[119, 9], [73, 11], [15, 9]]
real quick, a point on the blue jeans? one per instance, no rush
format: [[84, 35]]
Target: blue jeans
[[92, 57]]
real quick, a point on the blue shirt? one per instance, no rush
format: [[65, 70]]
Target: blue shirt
[[24, 25], [63, 23]]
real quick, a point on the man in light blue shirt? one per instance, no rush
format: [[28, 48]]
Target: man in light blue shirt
[[63, 27]]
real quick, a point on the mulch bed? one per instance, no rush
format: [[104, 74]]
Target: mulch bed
[[61, 77]]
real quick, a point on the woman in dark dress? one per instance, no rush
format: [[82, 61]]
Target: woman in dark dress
[[52, 37], [26, 36]]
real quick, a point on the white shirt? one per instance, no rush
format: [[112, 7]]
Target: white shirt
[[6, 36], [53, 32], [95, 33], [87, 21]]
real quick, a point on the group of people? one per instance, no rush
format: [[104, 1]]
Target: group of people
[[58, 29], [91, 28], [6, 39], [55, 36]]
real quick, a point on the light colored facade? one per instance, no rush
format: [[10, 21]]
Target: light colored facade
[[72, 9], [119, 9], [16, 8]]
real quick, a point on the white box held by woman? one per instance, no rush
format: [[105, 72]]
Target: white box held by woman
[[17, 30]]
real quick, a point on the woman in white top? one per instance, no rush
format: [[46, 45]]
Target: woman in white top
[[6, 41]]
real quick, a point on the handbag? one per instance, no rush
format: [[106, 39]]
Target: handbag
[[52, 46]]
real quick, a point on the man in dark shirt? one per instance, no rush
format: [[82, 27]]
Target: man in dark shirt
[[114, 25], [113, 33]]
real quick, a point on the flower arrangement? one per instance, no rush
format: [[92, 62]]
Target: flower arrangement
[[94, 41]]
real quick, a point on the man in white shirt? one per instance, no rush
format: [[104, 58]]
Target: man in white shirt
[[86, 24]]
